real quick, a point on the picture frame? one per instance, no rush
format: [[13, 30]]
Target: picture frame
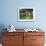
[[26, 14]]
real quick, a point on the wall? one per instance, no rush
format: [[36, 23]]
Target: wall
[[8, 13]]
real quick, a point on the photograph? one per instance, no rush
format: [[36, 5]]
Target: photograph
[[26, 14]]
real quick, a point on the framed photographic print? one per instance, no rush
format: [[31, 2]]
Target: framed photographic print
[[26, 14]]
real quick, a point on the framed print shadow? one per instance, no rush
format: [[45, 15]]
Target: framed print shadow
[[26, 14]]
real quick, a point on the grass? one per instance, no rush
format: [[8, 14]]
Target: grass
[[26, 17]]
